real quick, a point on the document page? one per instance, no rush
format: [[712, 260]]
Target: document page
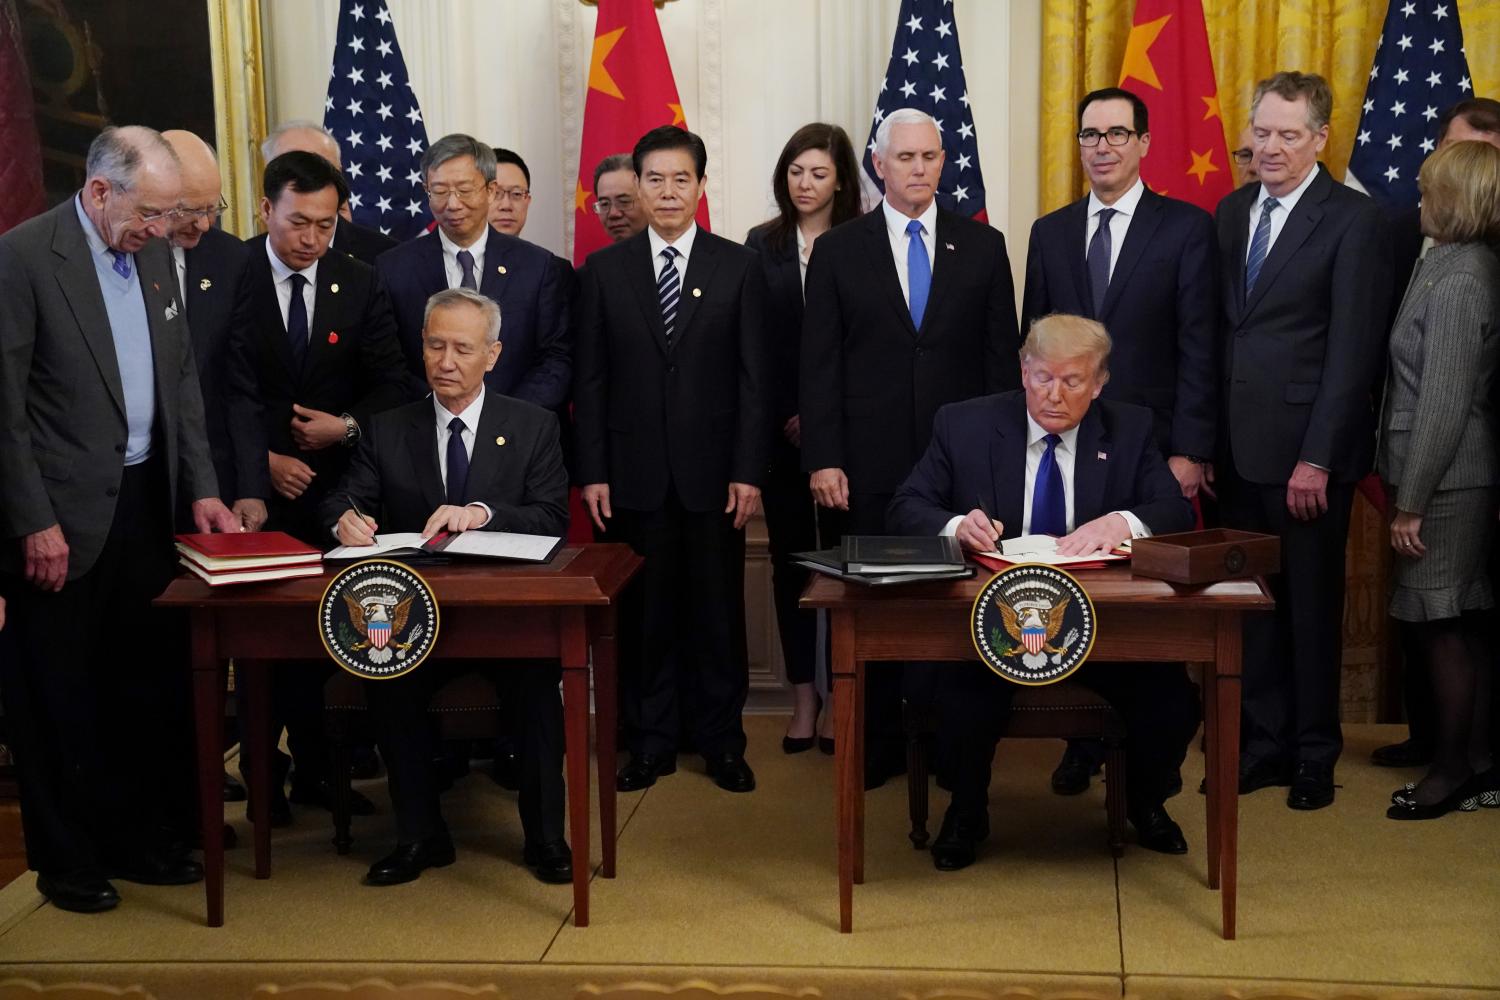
[[400, 541]]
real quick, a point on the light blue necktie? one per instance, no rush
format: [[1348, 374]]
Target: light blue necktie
[[918, 272], [1049, 506], [1260, 245]]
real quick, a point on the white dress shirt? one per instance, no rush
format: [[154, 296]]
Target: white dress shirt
[[804, 254], [179, 263], [684, 248], [1067, 452], [470, 416], [1119, 224], [895, 228], [451, 266], [281, 277], [1285, 204]]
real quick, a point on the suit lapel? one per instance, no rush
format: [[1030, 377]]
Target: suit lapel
[[421, 446], [1238, 218], [1304, 218], [945, 250], [434, 271], [160, 292], [494, 282], [488, 459], [879, 255], [642, 277], [80, 286], [698, 276], [1007, 466], [1090, 467], [327, 314], [1138, 236]]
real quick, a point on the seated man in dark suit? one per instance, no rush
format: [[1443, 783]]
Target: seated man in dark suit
[[463, 459], [1051, 460]]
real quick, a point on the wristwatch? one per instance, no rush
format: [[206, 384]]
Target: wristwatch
[[351, 430]]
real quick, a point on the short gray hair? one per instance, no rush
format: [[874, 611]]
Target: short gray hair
[[115, 153], [608, 165], [269, 146], [450, 297], [1291, 86], [901, 116], [451, 147]]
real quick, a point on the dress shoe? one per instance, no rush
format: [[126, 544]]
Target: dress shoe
[[730, 772], [1464, 798], [320, 793], [1312, 786], [1407, 753], [1156, 831], [78, 893], [506, 770], [408, 861], [797, 744], [644, 769], [825, 745], [233, 790], [158, 868], [551, 862], [1073, 772], [954, 847]]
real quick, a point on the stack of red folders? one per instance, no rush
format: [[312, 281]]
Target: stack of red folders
[[250, 557]]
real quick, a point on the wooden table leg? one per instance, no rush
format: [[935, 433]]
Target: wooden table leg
[[575, 671], [847, 756], [1229, 652], [1211, 781], [859, 771], [208, 726], [253, 680], [606, 722]]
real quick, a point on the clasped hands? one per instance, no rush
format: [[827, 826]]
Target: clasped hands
[[354, 528], [744, 501]]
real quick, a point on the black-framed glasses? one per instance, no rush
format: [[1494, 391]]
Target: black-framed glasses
[[1117, 136], [1243, 155]]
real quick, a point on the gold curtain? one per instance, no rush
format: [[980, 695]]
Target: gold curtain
[[1083, 42]]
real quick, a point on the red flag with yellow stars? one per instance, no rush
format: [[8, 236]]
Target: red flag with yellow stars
[[631, 91], [1167, 63]]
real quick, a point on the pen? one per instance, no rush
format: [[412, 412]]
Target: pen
[[983, 509]]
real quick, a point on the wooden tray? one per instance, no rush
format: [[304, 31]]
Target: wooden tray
[[1205, 556]]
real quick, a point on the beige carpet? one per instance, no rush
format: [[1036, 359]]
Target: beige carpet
[[1340, 902]]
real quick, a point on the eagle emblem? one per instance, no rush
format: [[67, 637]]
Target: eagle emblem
[[1033, 624], [378, 619]]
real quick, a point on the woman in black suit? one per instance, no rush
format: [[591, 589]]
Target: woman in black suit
[[816, 184]]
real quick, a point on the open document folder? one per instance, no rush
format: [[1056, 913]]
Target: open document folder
[[483, 544], [1043, 549]]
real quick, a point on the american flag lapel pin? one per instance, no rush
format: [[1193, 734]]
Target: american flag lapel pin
[[1103, 456]]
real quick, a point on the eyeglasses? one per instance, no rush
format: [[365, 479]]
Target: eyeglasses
[[209, 214], [1243, 155], [150, 217], [624, 203], [1090, 137], [438, 194], [516, 195]]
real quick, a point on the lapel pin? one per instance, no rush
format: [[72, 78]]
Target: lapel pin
[[500, 270], [500, 440], [697, 293], [155, 286], [333, 336], [1103, 457], [334, 288], [205, 284], [950, 246]]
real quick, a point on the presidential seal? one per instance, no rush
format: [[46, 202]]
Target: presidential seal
[[378, 619], [1033, 624]]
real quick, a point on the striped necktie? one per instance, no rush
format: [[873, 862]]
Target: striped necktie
[[668, 291], [1260, 245]]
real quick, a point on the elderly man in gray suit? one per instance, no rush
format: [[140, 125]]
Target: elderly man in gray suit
[[101, 430]]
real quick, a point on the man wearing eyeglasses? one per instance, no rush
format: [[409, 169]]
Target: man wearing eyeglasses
[[511, 199], [1143, 265], [103, 433], [1244, 160], [617, 201]]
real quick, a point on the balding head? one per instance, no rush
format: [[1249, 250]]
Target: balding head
[[133, 182], [198, 205], [305, 137]]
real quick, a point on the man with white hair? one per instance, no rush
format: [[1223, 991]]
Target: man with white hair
[[103, 433], [1052, 459], [908, 308], [360, 242]]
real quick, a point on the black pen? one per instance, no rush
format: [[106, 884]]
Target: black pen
[[979, 502]]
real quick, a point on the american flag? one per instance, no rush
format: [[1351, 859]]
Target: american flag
[[926, 72], [373, 112], [1420, 71]]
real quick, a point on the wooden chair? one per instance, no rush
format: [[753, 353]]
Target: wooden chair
[[1056, 711]]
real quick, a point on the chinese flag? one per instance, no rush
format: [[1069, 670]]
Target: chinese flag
[[631, 91], [21, 192], [1167, 63]]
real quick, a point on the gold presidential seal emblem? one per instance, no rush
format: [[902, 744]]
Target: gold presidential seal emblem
[[1033, 624], [378, 619]]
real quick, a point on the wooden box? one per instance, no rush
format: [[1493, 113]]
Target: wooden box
[[1205, 556]]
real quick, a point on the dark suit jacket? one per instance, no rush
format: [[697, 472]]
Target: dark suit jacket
[[871, 382], [1161, 310], [62, 405], [783, 316], [214, 267], [693, 416], [361, 242], [536, 359], [978, 449], [353, 365], [394, 474], [1302, 353]]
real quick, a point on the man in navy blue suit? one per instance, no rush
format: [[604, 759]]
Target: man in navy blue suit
[[1050, 460], [1144, 266], [465, 252]]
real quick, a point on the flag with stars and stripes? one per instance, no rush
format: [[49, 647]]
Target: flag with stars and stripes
[[926, 72], [373, 112], [1420, 71]]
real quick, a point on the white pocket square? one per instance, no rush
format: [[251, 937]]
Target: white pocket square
[[171, 310]]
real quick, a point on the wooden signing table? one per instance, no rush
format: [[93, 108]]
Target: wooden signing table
[[1139, 619], [487, 611]]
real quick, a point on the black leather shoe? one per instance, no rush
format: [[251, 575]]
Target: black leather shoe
[[955, 845], [1258, 774], [78, 893], [408, 861], [1156, 831], [797, 744], [506, 770], [730, 772], [1312, 786], [644, 769], [158, 868], [233, 790], [1407, 753], [320, 793], [1464, 798], [826, 745], [551, 862], [1073, 773]]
